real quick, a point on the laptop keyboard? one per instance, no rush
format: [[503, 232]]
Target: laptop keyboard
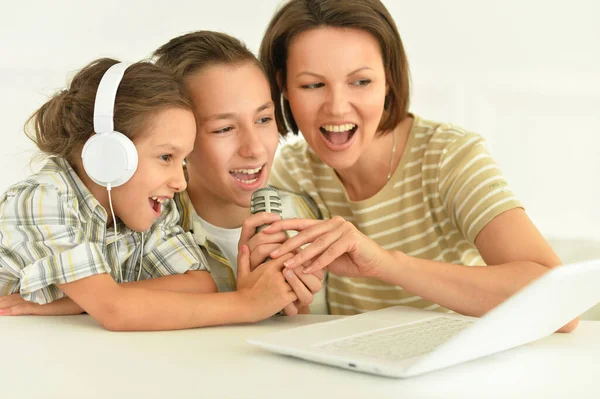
[[400, 342]]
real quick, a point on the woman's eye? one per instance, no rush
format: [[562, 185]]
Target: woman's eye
[[166, 157], [361, 82], [264, 120], [312, 86], [224, 130]]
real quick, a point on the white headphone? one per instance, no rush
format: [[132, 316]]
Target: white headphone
[[109, 158]]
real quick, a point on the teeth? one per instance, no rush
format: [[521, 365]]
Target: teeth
[[247, 171], [339, 128], [246, 181], [159, 200]]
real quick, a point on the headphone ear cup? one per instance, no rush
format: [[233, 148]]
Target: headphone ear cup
[[109, 158]]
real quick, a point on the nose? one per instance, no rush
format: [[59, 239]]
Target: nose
[[250, 142], [178, 182], [337, 102]]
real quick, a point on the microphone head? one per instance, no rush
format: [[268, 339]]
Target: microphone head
[[265, 199]]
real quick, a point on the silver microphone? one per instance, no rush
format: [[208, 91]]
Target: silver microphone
[[265, 199]]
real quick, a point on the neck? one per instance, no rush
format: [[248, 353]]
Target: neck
[[370, 173], [222, 214]]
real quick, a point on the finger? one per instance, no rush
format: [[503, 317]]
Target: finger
[[332, 253], [251, 223], [310, 281], [262, 239], [277, 264], [260, 255], [304, 295], [243, 260], [11, 300], [310, 235], [314, 249], [297, 224], [290, 310]]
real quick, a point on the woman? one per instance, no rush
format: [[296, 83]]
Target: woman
[[413, 203]]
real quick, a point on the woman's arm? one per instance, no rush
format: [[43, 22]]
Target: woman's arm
[[514, 249]]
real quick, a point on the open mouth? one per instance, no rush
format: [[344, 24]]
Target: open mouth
[[246, 176], [338, 134], [156, 203]]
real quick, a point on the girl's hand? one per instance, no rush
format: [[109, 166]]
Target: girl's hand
[[15, 305], [335, 244]]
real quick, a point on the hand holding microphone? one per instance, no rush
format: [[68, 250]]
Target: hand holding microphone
[[265, 206]]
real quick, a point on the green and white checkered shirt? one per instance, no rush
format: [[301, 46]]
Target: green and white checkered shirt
[[53, 231]]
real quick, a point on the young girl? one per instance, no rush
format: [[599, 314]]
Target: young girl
[[413, 203], [236, 141], [60, 236]]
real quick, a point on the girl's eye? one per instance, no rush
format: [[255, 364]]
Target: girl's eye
[[166, 157], [264, 120], [312, 86], [361, 82], [224, 130]]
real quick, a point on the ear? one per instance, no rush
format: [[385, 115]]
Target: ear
[[281, 84]]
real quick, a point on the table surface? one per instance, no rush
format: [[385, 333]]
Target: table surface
[[73, 357]]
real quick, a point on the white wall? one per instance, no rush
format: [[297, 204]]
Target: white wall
[[523, 73]]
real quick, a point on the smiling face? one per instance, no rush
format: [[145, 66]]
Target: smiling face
[[336, 87], [236, 134], [162, 146]]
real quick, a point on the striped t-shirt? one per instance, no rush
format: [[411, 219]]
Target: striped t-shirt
[[445, 189]]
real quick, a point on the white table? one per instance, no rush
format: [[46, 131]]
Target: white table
[[72, 357]]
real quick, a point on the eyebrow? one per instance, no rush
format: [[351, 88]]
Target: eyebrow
[[168, 146], [230, 115], [321, 76]]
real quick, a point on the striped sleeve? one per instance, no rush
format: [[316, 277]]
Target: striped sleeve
[[286, 173], [168, 250], [472, 187], [42, 245]]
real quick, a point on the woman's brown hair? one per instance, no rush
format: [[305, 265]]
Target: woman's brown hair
[[297, 16], [64, 123]]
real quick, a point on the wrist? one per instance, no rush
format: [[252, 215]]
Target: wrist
[[391, 267], [244, 305]]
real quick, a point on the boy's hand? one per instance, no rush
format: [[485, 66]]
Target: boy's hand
[[260, 244], [265, 287]]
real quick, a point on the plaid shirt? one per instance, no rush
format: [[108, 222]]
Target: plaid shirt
[[53, 231]]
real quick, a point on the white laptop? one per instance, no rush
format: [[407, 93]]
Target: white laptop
[[401, 342]]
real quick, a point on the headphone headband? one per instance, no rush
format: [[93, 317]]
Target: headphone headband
[[104, 107]]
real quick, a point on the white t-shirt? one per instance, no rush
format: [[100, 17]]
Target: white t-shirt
[[226, 239]]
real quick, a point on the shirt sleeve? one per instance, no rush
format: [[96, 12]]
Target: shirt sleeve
[[42, 245], [472, 187], [168, 250]]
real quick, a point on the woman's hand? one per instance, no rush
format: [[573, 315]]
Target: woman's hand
[[335, 244]]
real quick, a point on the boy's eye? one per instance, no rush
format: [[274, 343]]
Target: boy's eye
[[224, 130], [313, 85], [166, 157], [263, 120], [361, 82]]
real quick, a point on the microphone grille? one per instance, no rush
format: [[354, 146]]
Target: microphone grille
[[265, 199]]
